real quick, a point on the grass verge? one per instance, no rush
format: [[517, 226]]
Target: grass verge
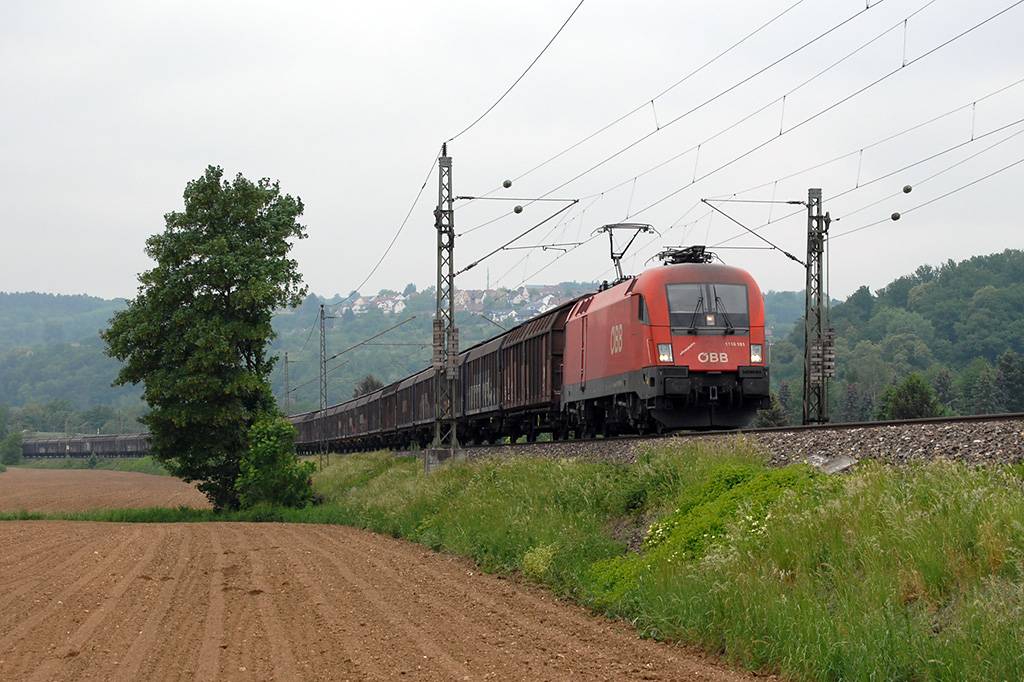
[[143, 465]]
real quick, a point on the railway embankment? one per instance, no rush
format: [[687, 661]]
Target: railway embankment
[[978, 440]]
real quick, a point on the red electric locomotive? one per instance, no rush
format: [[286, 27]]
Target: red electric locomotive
[[678, 347]]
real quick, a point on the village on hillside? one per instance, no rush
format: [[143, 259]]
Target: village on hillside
[[514, 305]]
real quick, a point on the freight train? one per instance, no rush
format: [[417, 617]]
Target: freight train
[[125, 445], [680, 346]]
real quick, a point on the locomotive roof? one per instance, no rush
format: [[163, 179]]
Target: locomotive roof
[[684, 272], [698, 272]]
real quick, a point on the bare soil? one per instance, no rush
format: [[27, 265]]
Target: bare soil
[[72, 490], [235, 601]]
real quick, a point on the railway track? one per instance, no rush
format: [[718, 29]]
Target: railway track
[[979, 439]]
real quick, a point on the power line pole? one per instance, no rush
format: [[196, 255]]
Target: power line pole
[[287, 388], [324, 455], [819, 338], [446, 334], [323, 359]]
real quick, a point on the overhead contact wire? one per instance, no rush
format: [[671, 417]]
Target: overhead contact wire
[[828, 108], [535, 60]]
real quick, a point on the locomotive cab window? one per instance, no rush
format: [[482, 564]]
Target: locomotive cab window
[[708, 308], [642, 314]]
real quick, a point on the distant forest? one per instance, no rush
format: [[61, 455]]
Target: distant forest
[[959, 326]]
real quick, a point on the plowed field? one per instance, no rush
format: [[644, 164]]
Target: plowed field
[[223, 601]]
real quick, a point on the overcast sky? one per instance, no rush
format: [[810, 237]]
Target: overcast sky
[[110, 108]]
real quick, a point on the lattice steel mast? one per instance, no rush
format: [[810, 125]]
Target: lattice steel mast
[[819, 338], [324, 454], [446, 334]]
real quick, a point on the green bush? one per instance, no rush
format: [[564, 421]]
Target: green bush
[[10, 449], [271, 473]]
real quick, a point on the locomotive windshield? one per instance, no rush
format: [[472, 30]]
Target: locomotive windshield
[[708, 308]]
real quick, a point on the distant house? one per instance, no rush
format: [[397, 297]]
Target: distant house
[[502, 315], [542, 291], [389, 304], [474, 300], [463, 298], [519, 296], [360, 305]]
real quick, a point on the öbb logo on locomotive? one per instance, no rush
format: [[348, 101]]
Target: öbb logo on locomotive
[[616, 346], [713, 357]]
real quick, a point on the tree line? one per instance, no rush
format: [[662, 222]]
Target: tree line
[[945, 340]]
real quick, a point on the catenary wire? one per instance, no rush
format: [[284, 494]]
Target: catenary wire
[[523, 75], [664, 92], [830, 107], [933, 200]]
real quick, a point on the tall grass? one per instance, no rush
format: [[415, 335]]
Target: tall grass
[[902, 575], [882, 575]]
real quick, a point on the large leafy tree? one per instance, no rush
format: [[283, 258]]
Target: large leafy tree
[[196, 334]]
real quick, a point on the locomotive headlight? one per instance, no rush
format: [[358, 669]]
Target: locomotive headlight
[[664, 352], [756, 354]]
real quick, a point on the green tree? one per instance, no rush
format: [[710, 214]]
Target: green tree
[[10, 449], [271, 472], [774, 415], [985, 397], [31, 417], [196, 334], [907, 353], [93, 419], [854, 404], [1010, 380], [866, 366], [61, 415], [945, 391], [912, 398], [786, 402], [367, 384]]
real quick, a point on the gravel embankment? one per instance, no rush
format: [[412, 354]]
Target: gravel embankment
[[979, 442], [998, 441]]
